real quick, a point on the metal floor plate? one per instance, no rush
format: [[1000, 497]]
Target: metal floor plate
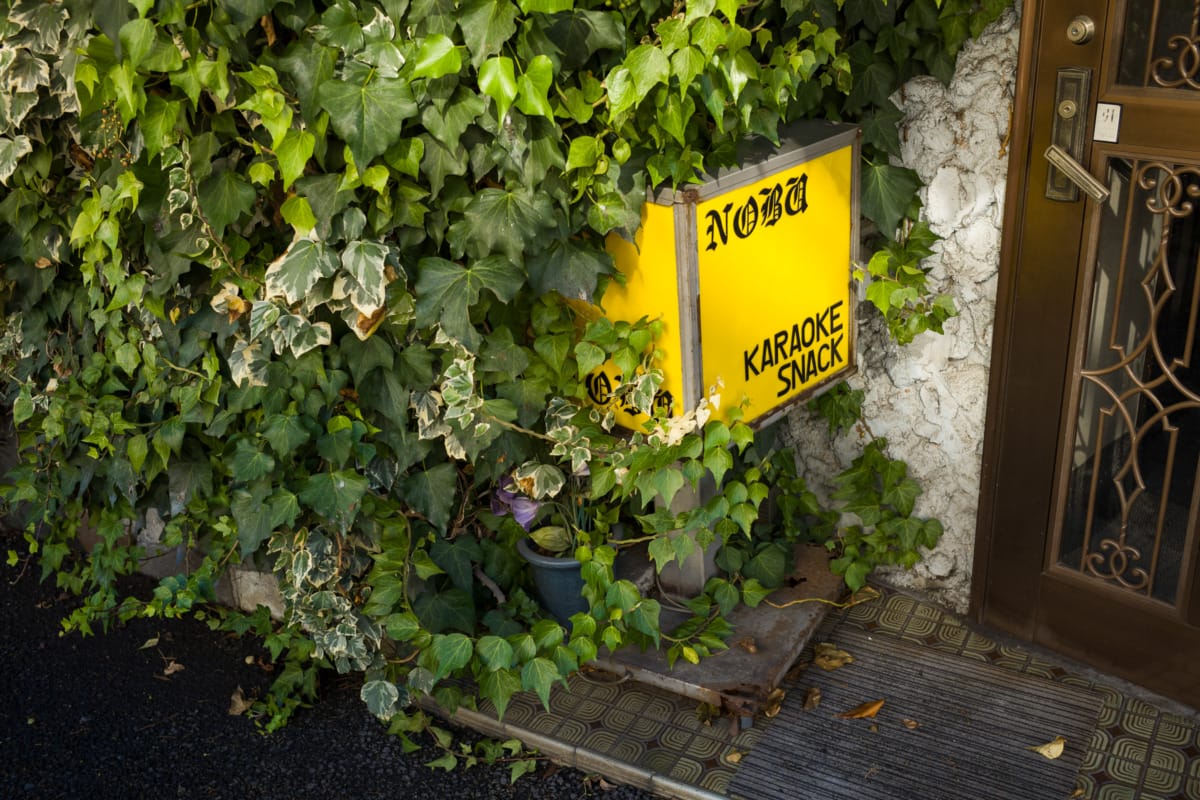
[[949, 728]]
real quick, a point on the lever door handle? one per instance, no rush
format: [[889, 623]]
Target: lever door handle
[[1068, 131], [1076, 173]]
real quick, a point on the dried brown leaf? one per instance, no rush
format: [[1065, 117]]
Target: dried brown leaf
[[829, 657], [812, 698], [268, 26], [867, 710], [911, 724], [172, 667], [1051, 749], [748, 644], [238, 703], [774, 703]]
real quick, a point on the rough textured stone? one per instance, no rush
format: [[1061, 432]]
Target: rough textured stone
[[929, 398]]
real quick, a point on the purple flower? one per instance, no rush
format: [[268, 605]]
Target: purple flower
[[522, 507]]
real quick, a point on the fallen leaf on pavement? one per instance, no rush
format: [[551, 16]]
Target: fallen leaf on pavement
[[1051, 749], [734, 756], [812, 698], [865, 711], [911, 724], [828, 657], [238, 703], [774, 703]]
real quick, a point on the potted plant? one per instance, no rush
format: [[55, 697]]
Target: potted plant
[[558, 516], [558, 519]]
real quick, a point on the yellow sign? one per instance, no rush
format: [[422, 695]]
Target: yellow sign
[[650, 290], [775, 306], [750, 275]]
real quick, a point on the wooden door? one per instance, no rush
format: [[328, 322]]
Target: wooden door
[[1087, 538]]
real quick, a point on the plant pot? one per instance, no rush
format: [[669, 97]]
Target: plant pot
[[558, 582]]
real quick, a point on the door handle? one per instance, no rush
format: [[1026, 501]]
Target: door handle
[[1068, 131], [1076, 173]]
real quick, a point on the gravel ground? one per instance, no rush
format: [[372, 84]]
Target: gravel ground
[[100, 717]]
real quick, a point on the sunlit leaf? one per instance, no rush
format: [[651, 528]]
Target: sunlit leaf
[[1051, 749], [829, 657], [867, 710]]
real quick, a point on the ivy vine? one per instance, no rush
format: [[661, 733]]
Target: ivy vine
[[292, 277]]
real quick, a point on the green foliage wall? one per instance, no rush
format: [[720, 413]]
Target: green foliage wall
[[292, 273]]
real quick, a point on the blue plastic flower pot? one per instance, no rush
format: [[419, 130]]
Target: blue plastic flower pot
[[558, 582]]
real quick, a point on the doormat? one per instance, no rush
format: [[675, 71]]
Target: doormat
[[949, 727]]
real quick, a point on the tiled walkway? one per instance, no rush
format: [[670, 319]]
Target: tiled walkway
[[663, 743]]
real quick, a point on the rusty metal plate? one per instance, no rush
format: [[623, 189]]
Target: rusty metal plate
[[765, 643]]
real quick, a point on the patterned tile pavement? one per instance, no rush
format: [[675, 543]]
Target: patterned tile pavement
[[663, 743]]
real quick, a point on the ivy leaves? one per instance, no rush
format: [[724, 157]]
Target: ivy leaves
[[367, 109], [486, 25], [446, 291]]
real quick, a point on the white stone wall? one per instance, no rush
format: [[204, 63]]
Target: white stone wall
[[929, 398]]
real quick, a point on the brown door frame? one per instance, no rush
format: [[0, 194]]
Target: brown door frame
[[1029, 324]]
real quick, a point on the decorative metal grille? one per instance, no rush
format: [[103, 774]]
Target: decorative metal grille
[[1134, 479], [1161, 44]]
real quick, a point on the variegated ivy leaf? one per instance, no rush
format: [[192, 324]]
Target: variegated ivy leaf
[[366, 275], [559, 413], [263, 316], [248, 363], [539, 481], [458, 391], [26, 73], [294, 273], [299, 335], [45, 20], [428, 406], [11, 152], [381, 698]]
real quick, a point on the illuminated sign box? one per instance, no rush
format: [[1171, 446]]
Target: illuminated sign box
[[750, 273]]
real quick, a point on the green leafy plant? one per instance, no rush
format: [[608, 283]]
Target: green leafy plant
[[898, 285], [306, 281], [876, 496]]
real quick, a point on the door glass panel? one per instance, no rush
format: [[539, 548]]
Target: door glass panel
[[1161, 44], [1133, 483]]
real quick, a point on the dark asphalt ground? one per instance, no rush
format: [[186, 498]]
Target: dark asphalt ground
[[100, 717]]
